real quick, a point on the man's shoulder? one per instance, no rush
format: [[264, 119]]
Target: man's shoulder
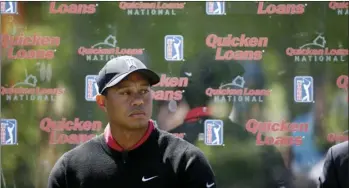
[[83, 149], [175, 144], [340, 150], [336, 166], [166, 138]]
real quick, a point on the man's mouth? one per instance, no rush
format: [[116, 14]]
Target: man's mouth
[[137, 114]]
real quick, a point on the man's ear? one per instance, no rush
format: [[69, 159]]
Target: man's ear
[[100, 100]]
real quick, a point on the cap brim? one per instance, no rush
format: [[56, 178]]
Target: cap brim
[[151, 76]]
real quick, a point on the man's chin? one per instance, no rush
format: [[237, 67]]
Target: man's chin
[[138, 123]]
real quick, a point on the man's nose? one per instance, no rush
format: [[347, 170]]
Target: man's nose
[[138, 100]]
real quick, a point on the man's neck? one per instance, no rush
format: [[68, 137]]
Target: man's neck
[[127, 138]]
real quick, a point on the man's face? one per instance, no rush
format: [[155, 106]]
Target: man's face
[[129, 103]]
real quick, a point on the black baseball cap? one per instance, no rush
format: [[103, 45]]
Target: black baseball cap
[[204, 71], [115, 70]]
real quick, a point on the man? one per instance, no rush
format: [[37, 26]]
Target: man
[[336, 167], [131, 153], [239, 163]]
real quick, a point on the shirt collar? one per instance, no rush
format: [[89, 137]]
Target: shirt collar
[[196, 113], [111, 142]]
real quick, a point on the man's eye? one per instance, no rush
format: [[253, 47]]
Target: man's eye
[[144, 91], [125, 93]]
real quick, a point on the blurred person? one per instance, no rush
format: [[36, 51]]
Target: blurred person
[[317, 169], [239, 163], [304, 157], [308, 158], [254, 79], [339, 112], [335, 170], [131, 153], [302, 181], [167, 118]]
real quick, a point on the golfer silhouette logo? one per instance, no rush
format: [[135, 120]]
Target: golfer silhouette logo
[[303, 89], [8, 132], [213, 132], [91, 88], [174, 48], [215, 8], [8, 7]]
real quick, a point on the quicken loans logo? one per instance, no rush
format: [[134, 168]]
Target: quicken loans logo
[[107, 50], [237, 92], [236, 47], [21, 41], [160, 92], [58, 130], [151, 9], [281, 9], [72, 8], [260, 128], [341, 8], [317, 51], [29, 89]]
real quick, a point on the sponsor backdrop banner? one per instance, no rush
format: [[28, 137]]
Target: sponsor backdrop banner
[[235, 76]]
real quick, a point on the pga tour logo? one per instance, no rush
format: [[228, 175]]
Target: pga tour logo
[[174, 48], [8, 7], [215, 8], [213, 132], [91, 88], [8, 132], [303, 89]]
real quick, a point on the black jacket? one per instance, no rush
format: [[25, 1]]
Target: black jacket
[[336, 167], [240, 163], [162, 161]]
